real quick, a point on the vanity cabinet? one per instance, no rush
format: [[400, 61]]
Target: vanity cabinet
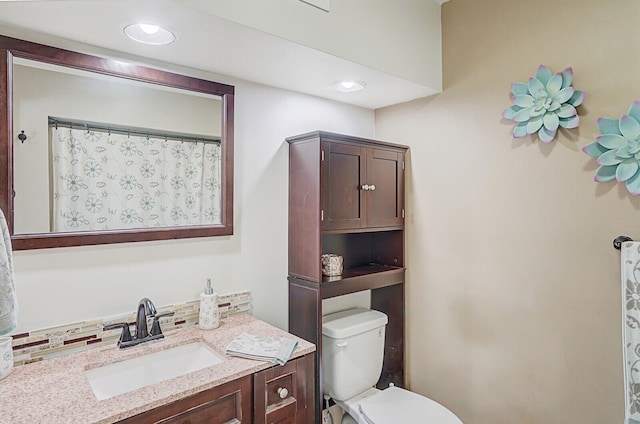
[[229, 403], [346, 196], [280, 394]]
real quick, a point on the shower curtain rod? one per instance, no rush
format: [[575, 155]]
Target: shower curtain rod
[[132, 131], [617, 242]]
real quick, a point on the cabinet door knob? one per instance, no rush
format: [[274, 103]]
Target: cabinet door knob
[[283, 392], [372, 187], [365, 187]]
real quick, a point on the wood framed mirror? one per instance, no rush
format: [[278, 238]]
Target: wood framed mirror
[[55, 102]]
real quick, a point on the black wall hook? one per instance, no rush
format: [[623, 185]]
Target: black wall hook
[[617, 242], [22, 136]]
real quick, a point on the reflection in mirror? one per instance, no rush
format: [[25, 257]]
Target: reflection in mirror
[[114, 152], [119, 153]]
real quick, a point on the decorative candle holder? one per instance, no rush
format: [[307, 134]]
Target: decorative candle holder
[[331, 265]]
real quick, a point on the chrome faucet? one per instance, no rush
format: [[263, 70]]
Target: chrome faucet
[[146, 309]]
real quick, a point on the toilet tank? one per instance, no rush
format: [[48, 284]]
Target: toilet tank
[[352, 351]]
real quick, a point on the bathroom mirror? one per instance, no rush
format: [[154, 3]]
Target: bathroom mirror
[[95, 150]]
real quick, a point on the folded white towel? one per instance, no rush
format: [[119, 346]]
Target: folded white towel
[[8, 300], [262, 348]]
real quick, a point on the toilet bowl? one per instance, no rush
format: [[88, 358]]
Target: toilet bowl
[[352, 354]]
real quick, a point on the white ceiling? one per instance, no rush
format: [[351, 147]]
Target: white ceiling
[[204, 42]]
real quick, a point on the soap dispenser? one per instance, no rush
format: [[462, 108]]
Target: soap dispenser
[[209, 314]]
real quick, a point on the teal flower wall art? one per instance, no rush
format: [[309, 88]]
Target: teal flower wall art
[[617, 150], [545, 103]]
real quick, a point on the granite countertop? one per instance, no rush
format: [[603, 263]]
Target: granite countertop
[[57, 390]]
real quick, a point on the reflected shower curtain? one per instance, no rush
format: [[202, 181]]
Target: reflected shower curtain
[[104, 181]]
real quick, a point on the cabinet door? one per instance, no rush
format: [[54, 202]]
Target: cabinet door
[[230, 403], [343, 174], [285, 394], [385, 195]]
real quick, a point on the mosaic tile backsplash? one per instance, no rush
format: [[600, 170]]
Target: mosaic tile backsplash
[[48, 343]]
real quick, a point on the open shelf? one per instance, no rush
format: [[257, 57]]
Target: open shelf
[[360, 278], [360, 271], [362, 230]]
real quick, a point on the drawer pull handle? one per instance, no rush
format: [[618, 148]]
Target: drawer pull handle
[[365, 187], [283, 392], [372, 187]]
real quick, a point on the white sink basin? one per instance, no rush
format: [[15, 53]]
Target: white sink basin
[[126, 376]]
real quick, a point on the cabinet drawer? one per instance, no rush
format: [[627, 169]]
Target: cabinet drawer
[[276, 389], [280, 389], [283, 394]]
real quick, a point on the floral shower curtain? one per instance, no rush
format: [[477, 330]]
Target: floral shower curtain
[[107, 181]]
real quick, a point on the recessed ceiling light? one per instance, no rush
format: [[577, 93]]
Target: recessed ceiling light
[[149, 34], [347, 86], [149, 29]]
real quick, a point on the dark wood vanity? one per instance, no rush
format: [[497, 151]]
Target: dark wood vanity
[[280, 394], [346, 196], [235, 390], [230, 402]]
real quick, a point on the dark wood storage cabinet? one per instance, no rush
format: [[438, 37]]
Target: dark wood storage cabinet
[[346, 196], [278, 395], [362, 187]]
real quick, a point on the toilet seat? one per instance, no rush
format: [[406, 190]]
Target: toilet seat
[[396, 405]]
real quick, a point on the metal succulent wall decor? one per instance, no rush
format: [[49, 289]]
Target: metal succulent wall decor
[[545, 103], [617, 150]]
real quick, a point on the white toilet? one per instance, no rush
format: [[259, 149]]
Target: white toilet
[[352, 353]]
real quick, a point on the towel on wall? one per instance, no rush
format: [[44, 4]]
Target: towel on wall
[[8, 300], [630, 271]]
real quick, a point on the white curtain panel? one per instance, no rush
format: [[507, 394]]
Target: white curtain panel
[[630, 262], [108, 181]]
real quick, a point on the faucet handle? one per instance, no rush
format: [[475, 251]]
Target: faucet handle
[[126, 334], [155, 327]]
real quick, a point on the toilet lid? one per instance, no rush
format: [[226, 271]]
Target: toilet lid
[[396, 405]]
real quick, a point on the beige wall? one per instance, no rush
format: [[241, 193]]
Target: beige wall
[[513, 292]]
